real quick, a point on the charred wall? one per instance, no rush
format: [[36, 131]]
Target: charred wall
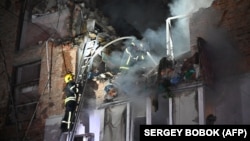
[[225, 17], [224, 28]]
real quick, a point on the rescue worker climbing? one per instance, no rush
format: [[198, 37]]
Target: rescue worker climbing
[[133, 54], [71, 92]]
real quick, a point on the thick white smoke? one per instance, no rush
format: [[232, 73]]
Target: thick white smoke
[[180, 26], [187, 7], [157, 39]]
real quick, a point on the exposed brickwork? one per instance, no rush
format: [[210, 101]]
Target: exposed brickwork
[[229, 15], [226, 25], [49, 103], [236, 19]]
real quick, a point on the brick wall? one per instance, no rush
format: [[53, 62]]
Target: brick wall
[[225, 27], [8, 38], [235, 19], [49, 103], [225, 20], [51, 98], [226, 17]]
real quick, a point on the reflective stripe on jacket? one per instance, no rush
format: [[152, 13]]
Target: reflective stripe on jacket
[[71, 98]]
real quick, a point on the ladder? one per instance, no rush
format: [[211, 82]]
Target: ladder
[[81, 79]]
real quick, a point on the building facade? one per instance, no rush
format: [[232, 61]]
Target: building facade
[[41, 42]]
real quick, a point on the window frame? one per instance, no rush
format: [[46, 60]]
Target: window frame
[[25, 98]]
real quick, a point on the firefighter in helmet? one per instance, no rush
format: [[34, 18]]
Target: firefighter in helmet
[[133, 54], [71, 92]]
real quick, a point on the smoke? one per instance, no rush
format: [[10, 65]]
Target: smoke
[[188, 7], [157, 41], [224, 55], [155, 36], [223, 67], [179, 29], [180, 36], [225, 60]]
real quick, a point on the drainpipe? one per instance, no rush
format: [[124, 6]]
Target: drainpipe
[[48, 65], [47, 85], [48, 69], [170, 55]]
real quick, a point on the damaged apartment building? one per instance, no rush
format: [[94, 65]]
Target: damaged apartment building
[[192, 70]]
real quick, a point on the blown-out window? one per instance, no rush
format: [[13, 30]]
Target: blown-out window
[[25, 91]]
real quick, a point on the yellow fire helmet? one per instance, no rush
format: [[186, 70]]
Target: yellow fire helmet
[[68, 77]]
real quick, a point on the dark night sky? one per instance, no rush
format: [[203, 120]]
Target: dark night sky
[[130, 17]]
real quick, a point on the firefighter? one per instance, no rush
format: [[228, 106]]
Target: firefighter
[[110, 93], [133, 54], [71, 92]]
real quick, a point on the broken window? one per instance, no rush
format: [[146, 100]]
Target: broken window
[[25, 92], [33, 33]]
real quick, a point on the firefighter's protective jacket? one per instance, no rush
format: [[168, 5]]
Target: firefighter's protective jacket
[[71, 91], [130, 57]]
